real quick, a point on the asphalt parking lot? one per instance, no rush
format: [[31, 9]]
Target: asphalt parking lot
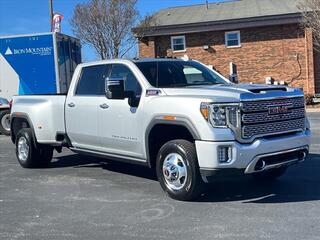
[[81, 197]]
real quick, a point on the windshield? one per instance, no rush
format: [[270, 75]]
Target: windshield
[[166, 74]]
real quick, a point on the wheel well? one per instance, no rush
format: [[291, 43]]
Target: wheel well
[[162, 133], [16, 125]]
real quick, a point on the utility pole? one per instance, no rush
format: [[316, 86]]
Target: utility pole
[[51, 14], [207, 5]]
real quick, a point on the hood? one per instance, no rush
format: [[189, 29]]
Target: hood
[[235, 92]]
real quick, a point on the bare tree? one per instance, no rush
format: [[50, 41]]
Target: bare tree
[[311, 18], [106, 25]]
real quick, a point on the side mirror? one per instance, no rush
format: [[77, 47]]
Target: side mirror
[[115, 88], [133, 100]]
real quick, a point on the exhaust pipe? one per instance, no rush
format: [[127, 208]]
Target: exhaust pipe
[[260, 165]]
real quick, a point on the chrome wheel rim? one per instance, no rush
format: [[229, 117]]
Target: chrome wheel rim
[[5, 122], [175, 171], [23, 149]]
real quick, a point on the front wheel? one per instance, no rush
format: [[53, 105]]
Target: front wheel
[[29, 153], [5, 122], [178, 170]]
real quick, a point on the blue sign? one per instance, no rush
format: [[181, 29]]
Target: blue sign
[[32, 58]]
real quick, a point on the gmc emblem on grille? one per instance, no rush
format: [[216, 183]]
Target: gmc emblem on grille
[[272, 110]]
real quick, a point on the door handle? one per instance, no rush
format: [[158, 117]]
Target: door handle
[[71, 104], [104, 106]]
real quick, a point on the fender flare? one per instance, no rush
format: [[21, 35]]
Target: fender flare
[[179, 121], [24, 116]]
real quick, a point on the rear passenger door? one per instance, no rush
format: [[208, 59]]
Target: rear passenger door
[[82, 107]]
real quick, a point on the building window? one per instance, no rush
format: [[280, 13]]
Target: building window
[[178, 44], [232, 39]]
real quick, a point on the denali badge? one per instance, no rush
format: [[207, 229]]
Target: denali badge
[[277, 110]]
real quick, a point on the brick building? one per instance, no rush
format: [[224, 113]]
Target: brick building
[[263, 38]]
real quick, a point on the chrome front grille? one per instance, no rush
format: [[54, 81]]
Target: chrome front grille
[[259, 106], [250, 131], [258, 121], [264, 117]]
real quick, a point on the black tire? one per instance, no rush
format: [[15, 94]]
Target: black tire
[[3, 115], [270, 175], [37, 155], [191, 184]]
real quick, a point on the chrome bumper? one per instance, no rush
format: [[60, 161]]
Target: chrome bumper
[[261, 155]]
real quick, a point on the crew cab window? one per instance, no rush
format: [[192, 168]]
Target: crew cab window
[[130, 81], [92, 80]]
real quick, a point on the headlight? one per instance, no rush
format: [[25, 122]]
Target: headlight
[[220, 115], [217, 116]]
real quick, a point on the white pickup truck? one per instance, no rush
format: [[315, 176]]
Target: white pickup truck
[[180, 117]]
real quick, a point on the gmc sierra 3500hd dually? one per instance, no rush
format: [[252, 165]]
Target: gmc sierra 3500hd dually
[[180, 117]]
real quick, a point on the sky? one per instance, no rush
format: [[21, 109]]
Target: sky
[[32, 16]]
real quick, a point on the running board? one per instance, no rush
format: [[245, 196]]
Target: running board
[[111, 156]]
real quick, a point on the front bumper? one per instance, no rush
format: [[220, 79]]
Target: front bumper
[[245, 157]]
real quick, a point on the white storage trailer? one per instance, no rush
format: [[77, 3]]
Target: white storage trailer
[[37, 64]]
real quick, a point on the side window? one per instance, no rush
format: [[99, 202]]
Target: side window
[[92, 80], [232, 39], [178, 43], [130, 81]]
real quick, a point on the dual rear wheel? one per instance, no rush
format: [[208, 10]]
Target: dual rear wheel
[[31, 154]]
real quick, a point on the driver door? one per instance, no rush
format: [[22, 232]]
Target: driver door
[[118, 121]]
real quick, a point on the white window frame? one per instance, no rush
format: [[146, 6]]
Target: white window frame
[[184, 43], [226, 39]]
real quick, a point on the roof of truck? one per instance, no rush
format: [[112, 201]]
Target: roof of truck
[[135, 60], [156, 59]]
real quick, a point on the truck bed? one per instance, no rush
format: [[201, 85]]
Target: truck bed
[[45, 112]]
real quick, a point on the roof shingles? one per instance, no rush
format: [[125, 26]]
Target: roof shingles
[[230, 10]]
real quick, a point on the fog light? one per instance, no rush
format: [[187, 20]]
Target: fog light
[[224, 154]]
